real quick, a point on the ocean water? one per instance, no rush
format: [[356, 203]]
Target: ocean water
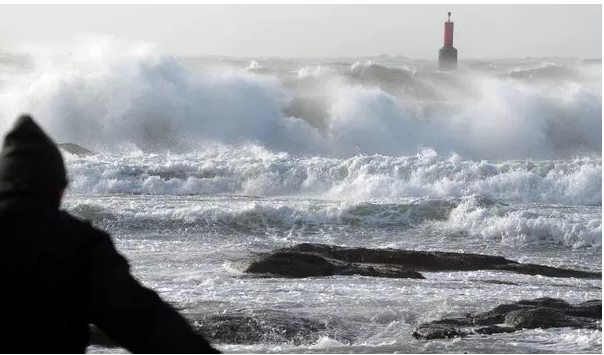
[[202, 161]]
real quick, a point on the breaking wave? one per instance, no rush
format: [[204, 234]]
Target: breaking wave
[[255, 171], [118, 97]]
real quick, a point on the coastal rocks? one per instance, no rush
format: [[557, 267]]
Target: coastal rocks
[[75, 149], [269, 326], [444, 331], [525, 314], [300, 264], [252, 327], [308, 259]]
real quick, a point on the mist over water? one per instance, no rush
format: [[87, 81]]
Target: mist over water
[[201, 161]]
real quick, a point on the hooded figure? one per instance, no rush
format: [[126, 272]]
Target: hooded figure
[[60, 274], [31, 163]]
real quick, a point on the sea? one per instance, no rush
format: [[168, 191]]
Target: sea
[[202, 162]]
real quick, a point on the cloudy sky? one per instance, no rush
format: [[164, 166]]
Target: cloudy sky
[[415, 31]]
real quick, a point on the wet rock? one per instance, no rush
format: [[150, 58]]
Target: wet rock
[[537, 313], [493, 329], [544, 317], [301, 264], [75, 149], [257, 326], [439, 331], [590, 309], [534, 269], [497, 282], [272, 326], [407, 259]]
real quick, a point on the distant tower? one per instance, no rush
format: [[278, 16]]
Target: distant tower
[[447, 55]]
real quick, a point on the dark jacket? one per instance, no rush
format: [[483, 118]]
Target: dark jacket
[[60, 274]]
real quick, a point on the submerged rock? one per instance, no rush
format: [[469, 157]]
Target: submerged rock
[[525, 314], [322, 260]]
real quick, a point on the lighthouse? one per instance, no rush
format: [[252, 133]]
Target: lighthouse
[[447, 55]]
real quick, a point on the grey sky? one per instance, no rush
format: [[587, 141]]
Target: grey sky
[[481, 31]]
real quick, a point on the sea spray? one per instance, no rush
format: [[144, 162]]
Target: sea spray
[[117, 97]]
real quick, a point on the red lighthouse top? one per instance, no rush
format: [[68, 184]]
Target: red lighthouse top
[[448, 42]]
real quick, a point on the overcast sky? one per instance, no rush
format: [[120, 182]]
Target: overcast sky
[[415, 31]]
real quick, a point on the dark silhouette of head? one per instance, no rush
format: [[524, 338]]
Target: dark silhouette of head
[[31, 164]]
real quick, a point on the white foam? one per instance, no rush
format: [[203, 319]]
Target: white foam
[[529, 225], [254, 170], [116, 96]]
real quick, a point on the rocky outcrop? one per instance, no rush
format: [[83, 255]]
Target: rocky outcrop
[[254, 326], [281, 327], [525, 314], [316, 256], [297, 264], [270, 326], [75, 149]]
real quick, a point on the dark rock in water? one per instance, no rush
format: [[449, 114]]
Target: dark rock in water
[[301, 264], [445, 331], [589, 309], [537, 313], [439, 331], [408, 259], [292, 264], [416, 260], [493, 329], [75, 149], [544, 317], [534, 269], [497, 282], [252, 327]]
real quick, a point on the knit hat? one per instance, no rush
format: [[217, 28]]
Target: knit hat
[[30, 160]]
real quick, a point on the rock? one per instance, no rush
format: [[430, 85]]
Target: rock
[[419, 260], [416, 260], [497, 282], [438, 331], [542, 312], [301, 264], [544, 317], [590, 309], [493, 329], [534, 269], [497, 314], [75, 149], [268, 326], [454, 321], [254, 326]]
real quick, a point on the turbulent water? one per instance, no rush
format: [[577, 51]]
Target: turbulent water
[[201, 161]]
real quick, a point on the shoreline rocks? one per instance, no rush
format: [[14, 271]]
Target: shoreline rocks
[[253, 326], [295, 264], [307, 259], [278, 326], [525, 314]]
